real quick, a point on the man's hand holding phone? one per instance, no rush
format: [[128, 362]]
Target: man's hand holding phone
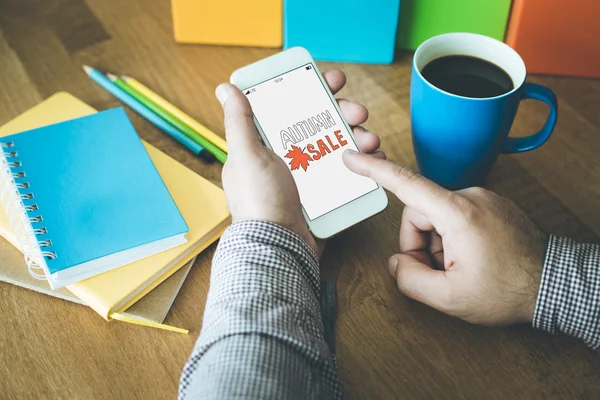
[[257, 182]]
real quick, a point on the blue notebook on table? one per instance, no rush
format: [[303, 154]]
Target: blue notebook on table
[[84, 197]]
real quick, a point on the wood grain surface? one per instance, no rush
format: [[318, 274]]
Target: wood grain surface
[[388, 346]]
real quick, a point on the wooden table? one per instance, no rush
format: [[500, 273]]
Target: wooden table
[[388, 346]]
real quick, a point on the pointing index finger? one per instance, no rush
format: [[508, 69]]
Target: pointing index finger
[[410, 187]]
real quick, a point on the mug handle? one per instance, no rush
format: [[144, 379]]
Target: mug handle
[[541, 93]]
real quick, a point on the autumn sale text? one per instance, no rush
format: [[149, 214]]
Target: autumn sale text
[[303, 130]]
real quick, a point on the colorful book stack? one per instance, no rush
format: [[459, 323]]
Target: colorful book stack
[[556, 38], [152, 308], [98, 211]]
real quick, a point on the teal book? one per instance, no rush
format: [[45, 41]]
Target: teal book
[[83, 197], [320, 27]]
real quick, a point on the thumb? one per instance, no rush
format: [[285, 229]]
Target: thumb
[[409, 186], [240, 130], [419, 281]]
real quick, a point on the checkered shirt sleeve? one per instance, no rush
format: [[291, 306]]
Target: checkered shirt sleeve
[[569, 296], [262, 334]]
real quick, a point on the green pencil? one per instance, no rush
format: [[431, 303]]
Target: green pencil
[[208, 146]]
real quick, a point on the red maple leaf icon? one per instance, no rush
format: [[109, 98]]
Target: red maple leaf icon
[[298, 158]]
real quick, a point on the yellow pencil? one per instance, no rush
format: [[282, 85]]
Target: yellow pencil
[[177, 113]]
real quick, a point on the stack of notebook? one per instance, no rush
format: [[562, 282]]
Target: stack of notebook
[[98, 211], [152, 308]]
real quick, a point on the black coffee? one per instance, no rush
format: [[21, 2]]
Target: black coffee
[[468, 76]]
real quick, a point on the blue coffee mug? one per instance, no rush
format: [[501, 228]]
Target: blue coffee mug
[[457, 139]]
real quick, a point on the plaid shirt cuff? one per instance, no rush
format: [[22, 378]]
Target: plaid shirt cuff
[[569, 296]]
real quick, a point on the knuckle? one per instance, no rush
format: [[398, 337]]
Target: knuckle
[[467, 208], [229, 121], [463, 202], [508, 204], [365, 110], [405, 174], [476, 191], [234, 118], [261, 158]]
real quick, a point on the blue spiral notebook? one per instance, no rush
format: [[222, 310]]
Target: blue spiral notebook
[[84, 197]]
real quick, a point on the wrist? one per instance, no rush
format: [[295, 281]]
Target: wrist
[[537, 263], [303, 232], [299, 230]]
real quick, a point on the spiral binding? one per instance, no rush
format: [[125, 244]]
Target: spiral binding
[[18, 213]]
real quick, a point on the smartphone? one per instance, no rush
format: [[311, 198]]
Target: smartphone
[[299, 119]]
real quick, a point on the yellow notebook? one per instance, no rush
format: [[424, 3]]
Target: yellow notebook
[[229, 22], [153, 307], [201, 203]]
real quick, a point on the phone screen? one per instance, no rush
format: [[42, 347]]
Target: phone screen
[[304, 128]]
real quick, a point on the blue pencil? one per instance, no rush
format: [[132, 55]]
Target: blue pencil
[[169, 129]]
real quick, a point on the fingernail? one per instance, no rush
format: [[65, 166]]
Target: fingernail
[[222, 93], [393, 264], [349, 151]]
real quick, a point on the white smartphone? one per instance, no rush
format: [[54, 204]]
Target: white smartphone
[[299, 119]]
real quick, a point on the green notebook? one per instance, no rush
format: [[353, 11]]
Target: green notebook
[[422, 19]]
